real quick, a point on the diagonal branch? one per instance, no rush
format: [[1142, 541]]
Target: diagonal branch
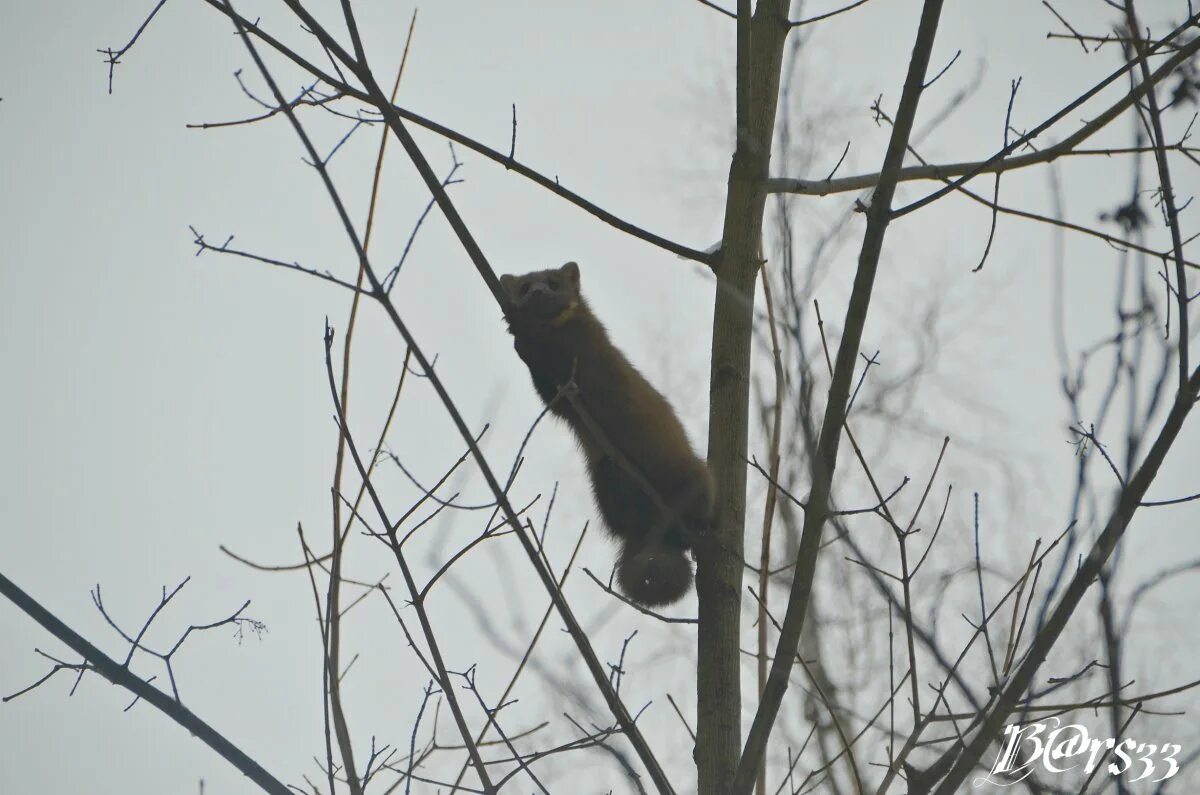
[[879, 215], [1127, 504], [388, 109], [999, 162], [362, 257], [624, 719], [120, 675]]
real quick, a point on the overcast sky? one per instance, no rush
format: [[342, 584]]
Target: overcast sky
[[158, 405]]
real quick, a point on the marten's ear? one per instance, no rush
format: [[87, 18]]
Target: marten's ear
[[509, 283], [571, 271]]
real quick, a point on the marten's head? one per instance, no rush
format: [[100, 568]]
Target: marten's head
[[547, 297]]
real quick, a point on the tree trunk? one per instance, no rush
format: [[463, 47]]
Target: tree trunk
[[719, 575]]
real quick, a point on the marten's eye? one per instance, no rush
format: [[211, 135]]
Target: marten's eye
[[524, 289], [553, 284]]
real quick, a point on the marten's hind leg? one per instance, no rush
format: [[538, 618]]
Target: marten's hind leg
[[630, 513]]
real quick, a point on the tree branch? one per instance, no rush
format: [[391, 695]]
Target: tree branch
[[879, 215], [121, 676], [1127, 504], [999, 163]]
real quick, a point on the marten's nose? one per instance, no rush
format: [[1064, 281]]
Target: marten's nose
[[537, 289]]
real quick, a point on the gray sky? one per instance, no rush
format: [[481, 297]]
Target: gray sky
[[159, 405]]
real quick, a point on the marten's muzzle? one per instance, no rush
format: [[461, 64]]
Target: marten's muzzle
[[543, 303]]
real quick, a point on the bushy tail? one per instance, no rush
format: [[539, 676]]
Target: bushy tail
[[655, 574]]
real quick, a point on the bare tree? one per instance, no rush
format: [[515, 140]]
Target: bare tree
[[887, 688]]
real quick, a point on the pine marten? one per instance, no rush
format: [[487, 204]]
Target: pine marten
[[654, 493]]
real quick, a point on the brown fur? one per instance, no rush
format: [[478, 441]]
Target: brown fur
[[654, 493]]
